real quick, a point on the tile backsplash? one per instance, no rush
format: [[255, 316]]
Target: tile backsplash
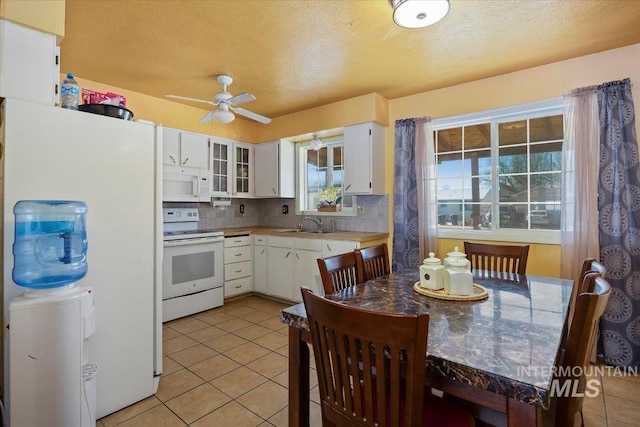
[[373, 214]]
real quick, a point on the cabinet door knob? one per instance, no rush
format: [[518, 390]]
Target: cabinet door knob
[[329, 248], [347, 187], [297, 256], [288, 253], [274, 191], [172, 159], [185, 161], [262, 252]]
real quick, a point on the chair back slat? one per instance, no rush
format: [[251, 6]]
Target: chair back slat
[[339, 271], [374, 261], [498, 258], [368, 363]]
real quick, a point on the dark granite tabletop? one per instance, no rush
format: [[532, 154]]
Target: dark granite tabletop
[[507, 343]]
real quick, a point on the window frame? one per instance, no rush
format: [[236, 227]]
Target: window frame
[[533, 110], [301, 180]]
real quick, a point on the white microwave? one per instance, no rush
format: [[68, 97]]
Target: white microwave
[[181, 184]]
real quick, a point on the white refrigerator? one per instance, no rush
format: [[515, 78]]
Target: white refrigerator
[[112, 165]]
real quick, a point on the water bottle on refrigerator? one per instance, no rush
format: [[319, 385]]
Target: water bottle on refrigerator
[[69, 93]]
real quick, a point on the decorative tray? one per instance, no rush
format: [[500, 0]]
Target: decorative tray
[[479, 293]]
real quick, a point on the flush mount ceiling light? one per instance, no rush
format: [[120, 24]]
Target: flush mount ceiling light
[[418, 13], [316, 143]]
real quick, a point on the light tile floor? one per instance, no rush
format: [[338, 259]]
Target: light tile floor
[[223, 367], [229, 367]]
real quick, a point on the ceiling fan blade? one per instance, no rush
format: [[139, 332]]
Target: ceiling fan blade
[[240, 98], [184, 98], [252, 115], [208, 117]]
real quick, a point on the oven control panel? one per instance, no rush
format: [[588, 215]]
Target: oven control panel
[[180, 215]]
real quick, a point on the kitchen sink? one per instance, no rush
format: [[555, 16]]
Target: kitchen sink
[[316, 231]]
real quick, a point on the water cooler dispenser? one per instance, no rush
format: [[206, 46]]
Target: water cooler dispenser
[[51, 378]]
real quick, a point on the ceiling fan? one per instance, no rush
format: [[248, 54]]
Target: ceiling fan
[[225, 104]]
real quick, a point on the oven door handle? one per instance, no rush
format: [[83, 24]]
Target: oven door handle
[[185, 242]]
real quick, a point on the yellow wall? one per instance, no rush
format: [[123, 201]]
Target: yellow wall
[[175, 115], [366, 108], [42, 15], [535, 84]]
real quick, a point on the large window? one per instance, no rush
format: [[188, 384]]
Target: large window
[[320, 176], [500, 173]]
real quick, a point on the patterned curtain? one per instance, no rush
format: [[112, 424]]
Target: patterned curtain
[[406, 244], [619, 225]]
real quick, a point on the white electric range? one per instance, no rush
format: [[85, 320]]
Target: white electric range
[[192, 265]]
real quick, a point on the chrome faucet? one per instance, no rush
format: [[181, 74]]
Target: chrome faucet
[[316, 220]]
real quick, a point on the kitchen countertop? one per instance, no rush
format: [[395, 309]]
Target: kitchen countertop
[[358, 236]]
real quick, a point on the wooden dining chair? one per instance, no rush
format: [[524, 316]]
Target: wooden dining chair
[[499, 258], [339, 271], [576, 349], [373, 261], [589, 265], [371, 368]]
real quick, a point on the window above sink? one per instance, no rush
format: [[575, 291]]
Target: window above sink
[[320, 178]]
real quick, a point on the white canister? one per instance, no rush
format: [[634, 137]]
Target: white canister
[[460, 278], [456, 254], [432, 273]]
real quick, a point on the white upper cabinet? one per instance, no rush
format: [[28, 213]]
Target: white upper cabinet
[[185, 149], [275, 169], [231, 168], [194, 150], [243, 169], [364, 159], [221, 167], [29, 64]]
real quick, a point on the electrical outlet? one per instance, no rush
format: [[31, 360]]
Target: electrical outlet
[[285, 209], [241, 208]]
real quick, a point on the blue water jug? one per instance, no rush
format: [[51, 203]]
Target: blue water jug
[[50, 247]]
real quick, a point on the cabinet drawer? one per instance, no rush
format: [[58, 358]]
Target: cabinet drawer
[[240, 253], [259, 240], [231, 242], [281, 242], [308, 244], [238, 286], [237, 270]]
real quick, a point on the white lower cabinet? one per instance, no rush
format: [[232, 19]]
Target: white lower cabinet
[[305, 272], [292, 263], [280, 267], [260, 263], [238, 268], [336, 247]]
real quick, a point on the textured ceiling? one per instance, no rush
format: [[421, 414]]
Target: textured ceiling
[[294, 55]]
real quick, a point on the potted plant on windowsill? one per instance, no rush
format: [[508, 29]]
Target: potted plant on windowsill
[[330, 199]]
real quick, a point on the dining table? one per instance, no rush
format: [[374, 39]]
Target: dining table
[[496, 354]]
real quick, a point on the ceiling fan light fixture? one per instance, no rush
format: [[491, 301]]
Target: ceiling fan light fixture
[[223, 115], [418, 13], [316, 143]]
